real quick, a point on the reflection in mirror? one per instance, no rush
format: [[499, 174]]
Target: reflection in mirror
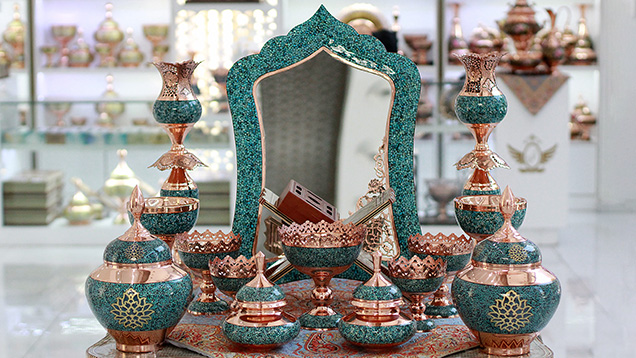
[[322, 123]]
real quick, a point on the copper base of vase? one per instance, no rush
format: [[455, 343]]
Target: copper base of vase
[[139, 342], [506, 345]]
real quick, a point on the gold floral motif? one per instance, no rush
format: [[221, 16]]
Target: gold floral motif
[[510, 313], [131, 310], [133, 252], [517, 253]]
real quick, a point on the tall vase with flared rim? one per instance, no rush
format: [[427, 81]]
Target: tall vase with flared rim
[[480, 105], [505, 296]]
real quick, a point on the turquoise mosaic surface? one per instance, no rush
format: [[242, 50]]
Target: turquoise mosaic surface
[[308, 321], [137, 252], [179, 112], [215, 307], [192, 193], [369, 293], [169, 224], [230, 284], [261, 294], [481, 192], [507, 253], [441, 311], [376, 335], [418, 285], [481, 110], [319, 257], [261, 335], [506, 309], [486, 222], [323, 31], [138, 307]]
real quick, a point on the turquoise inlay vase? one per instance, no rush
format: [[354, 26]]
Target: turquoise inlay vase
[[177, 103], [258, 320], [138, 294], [504, 295], [481, 106]]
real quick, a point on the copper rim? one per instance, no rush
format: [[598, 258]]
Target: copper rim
[[228, 267], [322, 234], [207, 242], [440, 244], [484, 203], [417, 268], [119, 273], [170, 205], [506, 275]]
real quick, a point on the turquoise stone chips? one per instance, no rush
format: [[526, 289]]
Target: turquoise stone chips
[[481, 110], [177, 112], [137, 294], [504, 295]]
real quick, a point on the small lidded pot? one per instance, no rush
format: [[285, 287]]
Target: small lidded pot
[[258, 321], [377, 321], [504, 295], [138, 294]]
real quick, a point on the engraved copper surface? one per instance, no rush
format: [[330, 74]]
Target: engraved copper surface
[[505, 344], [322, 234], [504, 275], [417, 268], [170, 205], [136, 274], [480, 74], [208, 242], [484, 203], [440, 244], [139, 342], [183, 160], [229, 267], [176, 80], [179, 180], [136, 232]]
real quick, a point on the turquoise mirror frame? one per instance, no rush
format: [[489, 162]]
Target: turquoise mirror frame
[[323, 31]]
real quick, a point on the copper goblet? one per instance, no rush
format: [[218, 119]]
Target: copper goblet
[[443, 191], [196, 251], [64, 34], [156, 34], [231, 274], [59, 109], [418, 278], [321, 251], [456, 252]]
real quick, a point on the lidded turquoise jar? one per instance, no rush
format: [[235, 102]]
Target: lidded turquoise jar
[[138, 294], [377, 321], [504, 295], [258, 320]]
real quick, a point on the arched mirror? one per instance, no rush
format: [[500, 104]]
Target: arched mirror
[[275, 110]]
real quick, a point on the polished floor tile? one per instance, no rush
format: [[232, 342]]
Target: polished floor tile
[[43, 312]]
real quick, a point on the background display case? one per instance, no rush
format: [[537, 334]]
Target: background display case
[[36, 97]]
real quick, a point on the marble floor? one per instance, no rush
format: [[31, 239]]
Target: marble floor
[[44, 312]]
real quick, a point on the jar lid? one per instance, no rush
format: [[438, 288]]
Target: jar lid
[[377, 288], [506, 246], [137, 245], [260, 289]]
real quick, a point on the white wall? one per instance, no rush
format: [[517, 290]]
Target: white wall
[[617, 119]]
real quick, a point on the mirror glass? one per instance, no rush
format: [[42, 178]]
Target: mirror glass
[[323, 122]]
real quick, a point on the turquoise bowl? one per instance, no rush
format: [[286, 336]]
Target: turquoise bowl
[[376, 336], [168, 215], [263, 337], [481, 109], [318, 257], [177, 112], [479, 215]]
